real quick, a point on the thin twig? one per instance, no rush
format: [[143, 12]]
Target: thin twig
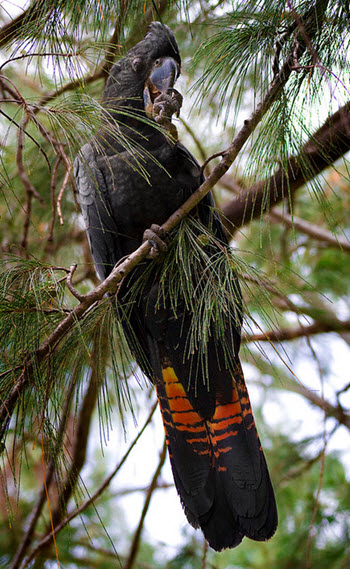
[[26, 223], [38, 54], [61, 192], [46, 540], [323, 456], [284, 334], [11, 88], [48, 502], [52, 195], [70, 285], [28, 186], [56, 144], [142, 489], [311, 229], [337, 412], [10, 119], [205, 554], [195, 139], [209, 159], [34, 517], [81, 435], [137, 535]]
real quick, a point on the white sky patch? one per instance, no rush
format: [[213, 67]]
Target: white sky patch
[[13, 9]]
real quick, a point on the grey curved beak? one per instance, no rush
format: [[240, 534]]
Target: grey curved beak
[[164, 75], [161, 79]]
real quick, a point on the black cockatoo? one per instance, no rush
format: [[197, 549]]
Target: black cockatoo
[[217, 461]]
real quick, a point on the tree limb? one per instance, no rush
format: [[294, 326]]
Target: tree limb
[[284, 334], [311, 229], [78, 454], [337, 412], [329, 143], [285, 382]]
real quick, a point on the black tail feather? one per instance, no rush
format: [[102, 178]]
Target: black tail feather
[[218, 464]]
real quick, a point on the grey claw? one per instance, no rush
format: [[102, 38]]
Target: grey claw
[[155, 237]]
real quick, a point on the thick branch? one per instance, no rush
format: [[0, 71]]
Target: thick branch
[[327, 145]]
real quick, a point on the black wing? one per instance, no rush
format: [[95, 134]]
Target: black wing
[[95, 206]]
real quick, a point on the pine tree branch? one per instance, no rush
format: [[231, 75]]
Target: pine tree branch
[[285, 334], [317, 311], [69, 283], [299, 470], [48, 537], [195, 139], [329, 143], [103, 70], [285, 382], [78, 455], [53, 183], [10, 31], [142, 489], [34, 516], [105, 553]]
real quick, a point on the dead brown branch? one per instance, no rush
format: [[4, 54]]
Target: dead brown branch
[[81, 435], [311, 229], [318, 401], [62, 190], [70, 286], [52, 195], [28, 186]]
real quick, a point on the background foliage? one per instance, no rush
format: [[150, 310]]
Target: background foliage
[[67, 412]]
